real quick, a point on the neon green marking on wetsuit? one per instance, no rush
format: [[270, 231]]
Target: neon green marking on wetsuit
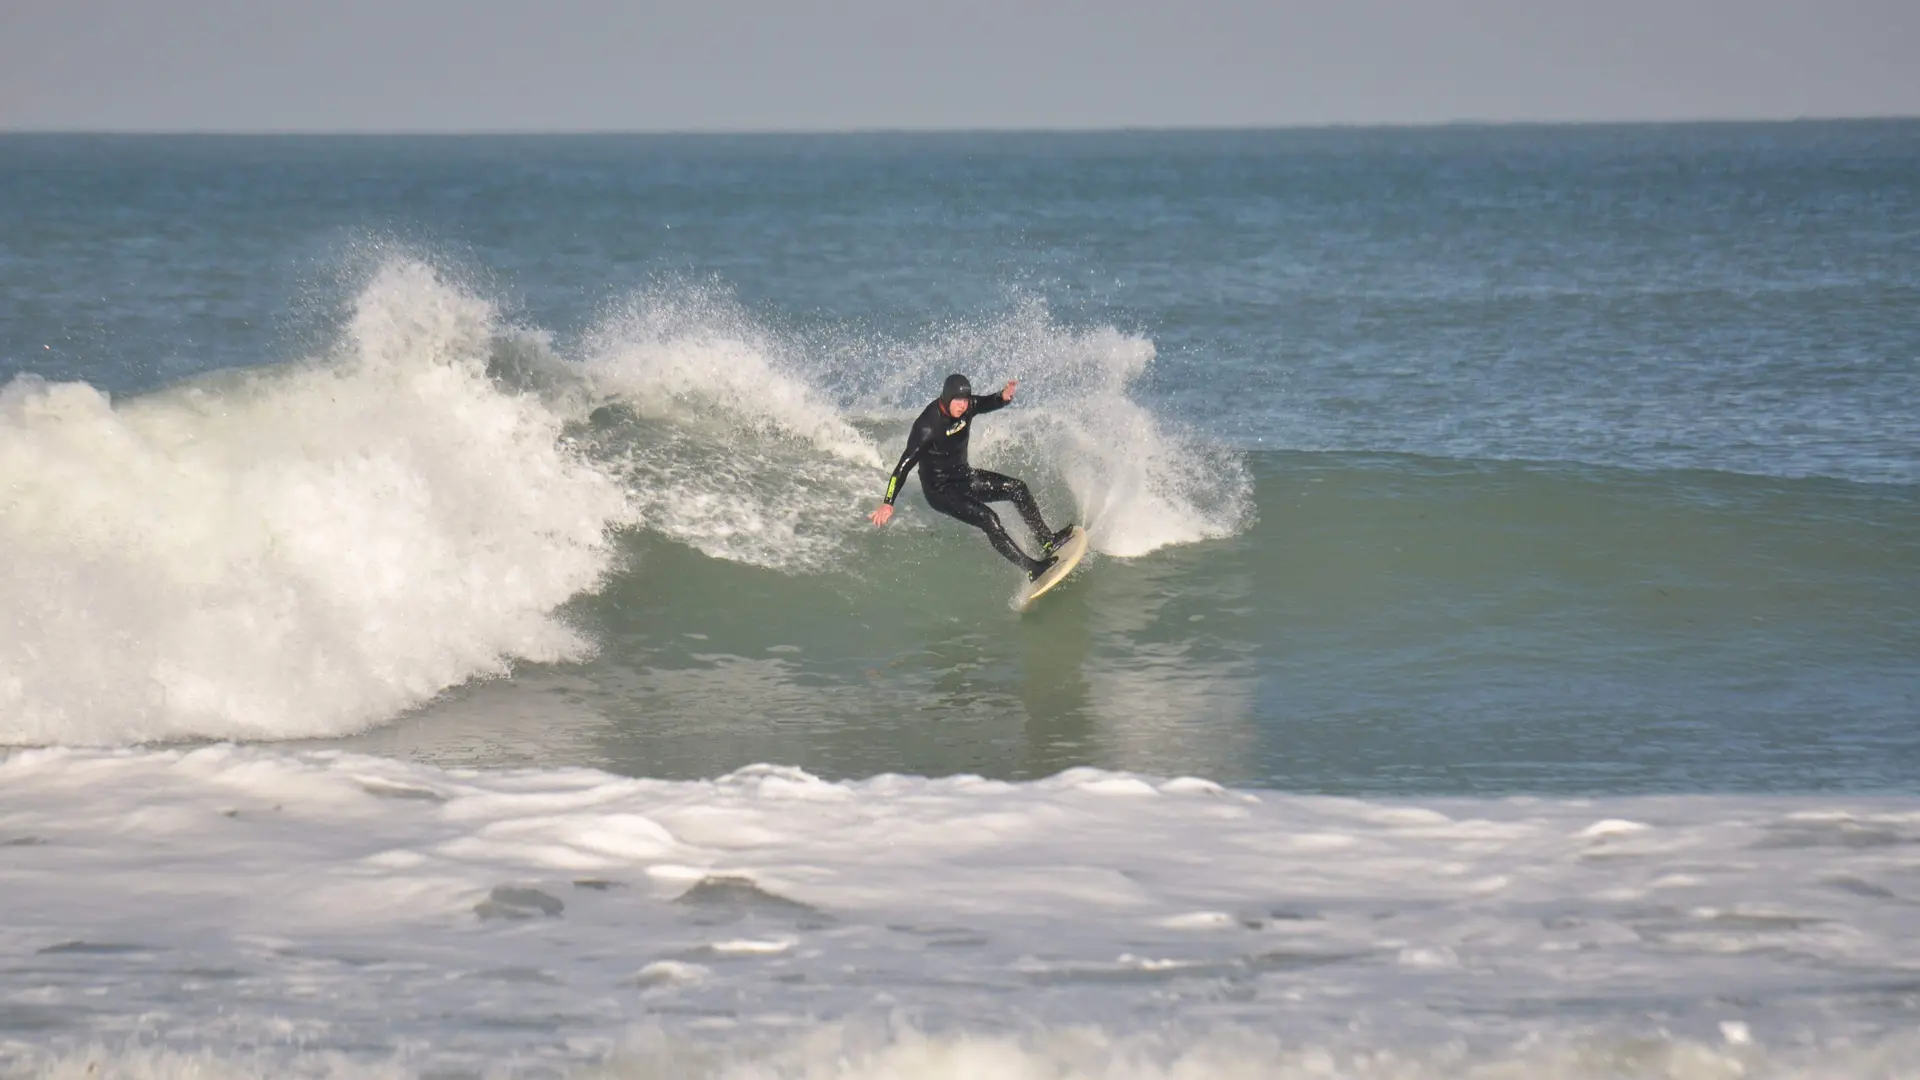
[[893, 484]]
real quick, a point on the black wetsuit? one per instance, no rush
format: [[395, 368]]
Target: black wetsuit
[[938, 444]]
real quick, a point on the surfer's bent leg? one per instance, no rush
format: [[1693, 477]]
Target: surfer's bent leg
[[958, 502], [995, 487]]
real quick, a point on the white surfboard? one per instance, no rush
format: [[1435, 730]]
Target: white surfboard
[[1070, 554]]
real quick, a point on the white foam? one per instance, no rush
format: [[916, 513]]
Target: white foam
[[851, 1052], [1199, 920], [369, 903], [744, 456], [299, 551], [695, 355], [672, 971], [751, 947]]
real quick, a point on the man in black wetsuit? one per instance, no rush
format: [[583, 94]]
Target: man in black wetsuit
[[938, 444]]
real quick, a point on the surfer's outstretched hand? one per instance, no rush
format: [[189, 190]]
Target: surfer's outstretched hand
[[1007, 394], [882, 515]]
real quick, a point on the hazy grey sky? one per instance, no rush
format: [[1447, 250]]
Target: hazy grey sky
[[603, 65]]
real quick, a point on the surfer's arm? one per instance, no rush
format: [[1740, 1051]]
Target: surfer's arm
[[986, 403], [916, 445]]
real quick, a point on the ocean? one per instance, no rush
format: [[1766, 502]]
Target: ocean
[[441, 635]]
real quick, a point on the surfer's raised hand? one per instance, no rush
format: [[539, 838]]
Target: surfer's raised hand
[[882, 515], [1007, 394]]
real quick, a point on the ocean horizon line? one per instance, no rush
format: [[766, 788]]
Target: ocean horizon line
[[954, 130]]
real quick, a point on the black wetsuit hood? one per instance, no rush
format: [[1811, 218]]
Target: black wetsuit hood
[[956, 386]]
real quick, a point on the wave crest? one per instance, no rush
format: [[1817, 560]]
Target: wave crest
[[299, 551]]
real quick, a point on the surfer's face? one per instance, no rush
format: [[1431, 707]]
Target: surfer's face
[[957, 408]]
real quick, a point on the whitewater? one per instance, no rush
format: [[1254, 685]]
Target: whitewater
[[239, 912]]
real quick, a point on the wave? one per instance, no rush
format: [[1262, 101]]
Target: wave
[[308, 549], [1364, 551], [1436, 521], [292, 551]]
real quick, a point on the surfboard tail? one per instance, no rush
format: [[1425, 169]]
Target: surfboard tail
[[1068, 556]]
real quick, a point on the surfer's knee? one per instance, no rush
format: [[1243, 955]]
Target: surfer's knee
[[1012, 487]]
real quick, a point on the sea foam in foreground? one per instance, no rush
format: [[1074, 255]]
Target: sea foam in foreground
[[329, 914]]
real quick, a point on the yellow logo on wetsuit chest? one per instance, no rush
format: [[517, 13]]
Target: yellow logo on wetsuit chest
[[957, 428]]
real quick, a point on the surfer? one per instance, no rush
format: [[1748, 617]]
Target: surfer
[[938, 444]]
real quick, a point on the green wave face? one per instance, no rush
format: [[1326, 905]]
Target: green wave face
[[1381, 624]]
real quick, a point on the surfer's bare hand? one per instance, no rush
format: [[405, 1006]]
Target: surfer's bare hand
[[882, 515], [1007, 394]]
